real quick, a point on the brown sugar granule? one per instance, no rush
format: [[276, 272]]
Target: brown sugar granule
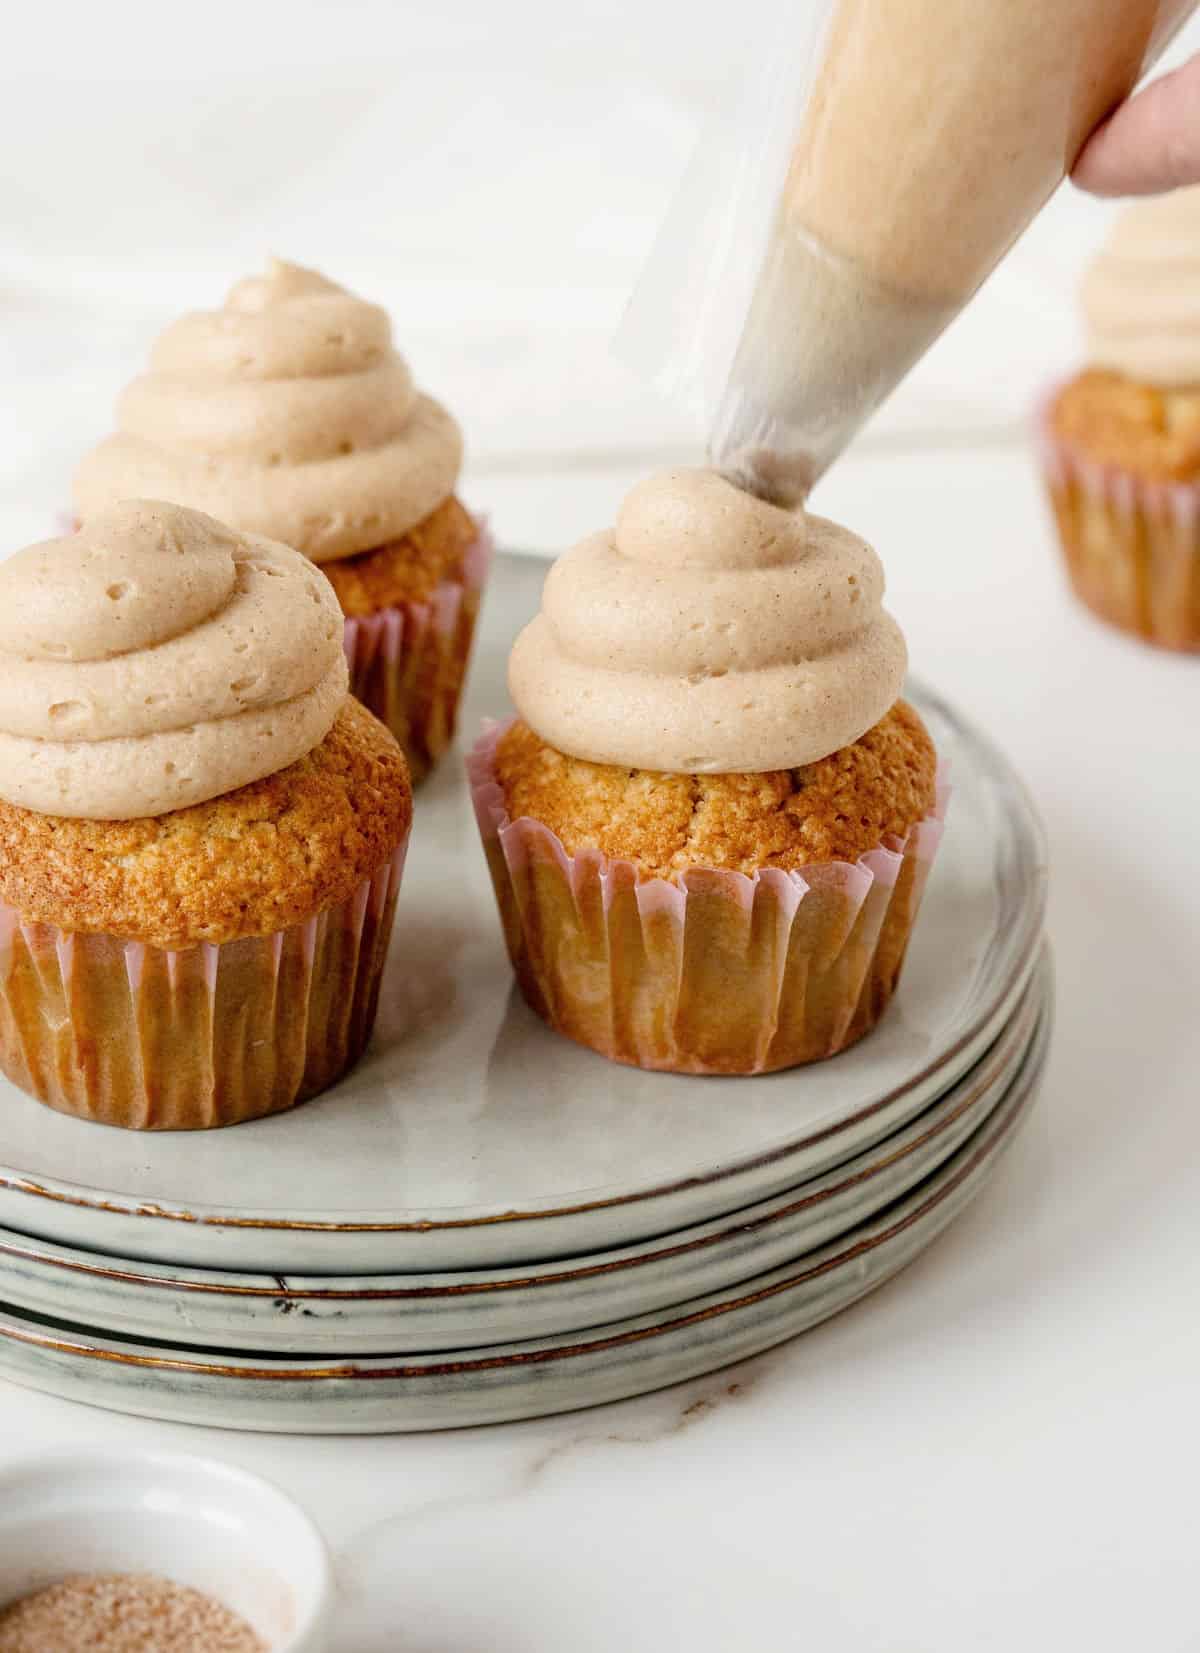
[[123, 1613]]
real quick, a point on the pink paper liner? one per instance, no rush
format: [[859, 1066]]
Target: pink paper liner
[[408, 662], [718, 972], [150, 1038], [1131, 545]]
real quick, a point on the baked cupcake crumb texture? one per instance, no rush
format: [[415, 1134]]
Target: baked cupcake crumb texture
[[835, 809], [409, 569], [247, 863], [1151, 431]]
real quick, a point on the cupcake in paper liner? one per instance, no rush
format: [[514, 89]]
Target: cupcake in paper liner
[[201, 833], [408, 659], [1120, 443], [289, 413], [710, 829]]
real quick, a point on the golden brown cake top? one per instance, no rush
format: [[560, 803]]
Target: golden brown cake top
[[1152, 432], [833, 810], [253, 861], [407, 570]]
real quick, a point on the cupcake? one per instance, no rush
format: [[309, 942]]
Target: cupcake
[[201, 833], [288, 413], [710, 827], [1121, 441]]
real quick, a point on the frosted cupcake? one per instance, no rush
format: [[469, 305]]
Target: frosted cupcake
[[201, 834], [288, 413], [1121, 441], [710, 828]]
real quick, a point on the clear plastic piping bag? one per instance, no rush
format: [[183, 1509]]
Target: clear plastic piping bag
[[855, 198]]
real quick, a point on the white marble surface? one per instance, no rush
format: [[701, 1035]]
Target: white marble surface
[[995, 1450]]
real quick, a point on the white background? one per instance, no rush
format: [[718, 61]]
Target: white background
[[494, 173], [997, 1450]]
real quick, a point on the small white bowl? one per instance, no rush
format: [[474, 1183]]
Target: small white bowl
[[193, 1520]]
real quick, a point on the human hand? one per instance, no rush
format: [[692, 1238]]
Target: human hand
[[1150, 144]]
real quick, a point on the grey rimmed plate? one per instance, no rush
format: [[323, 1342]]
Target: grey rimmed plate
[[471, 1137], [496, 1384], [326, 1314]]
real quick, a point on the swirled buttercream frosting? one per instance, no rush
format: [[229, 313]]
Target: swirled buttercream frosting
[[286, 413], [1141, 296], [157, 659], [709, 633]]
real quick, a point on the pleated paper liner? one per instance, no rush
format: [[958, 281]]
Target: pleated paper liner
[[718, 973], [1131, 546], [408, 662], [149, 1039]]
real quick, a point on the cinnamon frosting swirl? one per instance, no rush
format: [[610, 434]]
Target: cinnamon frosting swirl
[[287, 413], [155, 660], [1141, 296], [710, 633]]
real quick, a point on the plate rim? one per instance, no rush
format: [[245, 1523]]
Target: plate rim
[[226, 1218], [987, 1145], [1000, 1065]]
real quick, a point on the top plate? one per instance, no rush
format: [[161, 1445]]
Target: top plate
[[472, 1137]]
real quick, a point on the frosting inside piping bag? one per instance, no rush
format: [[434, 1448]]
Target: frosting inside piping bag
[[709, 633], [886, 161]]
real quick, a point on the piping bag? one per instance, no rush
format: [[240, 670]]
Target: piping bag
[[853, 203]]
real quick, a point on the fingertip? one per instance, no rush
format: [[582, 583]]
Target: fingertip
[[1150, 144]]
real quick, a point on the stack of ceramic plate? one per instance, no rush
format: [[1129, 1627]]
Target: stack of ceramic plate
[[485, 1222]]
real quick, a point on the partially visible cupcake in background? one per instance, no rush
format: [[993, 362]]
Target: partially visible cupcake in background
[[710, 829], [289, 413], [1121, 441], [201, 834]]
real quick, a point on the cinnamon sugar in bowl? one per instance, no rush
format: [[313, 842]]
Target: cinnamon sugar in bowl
[[123, 1613], [222, 1560]]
